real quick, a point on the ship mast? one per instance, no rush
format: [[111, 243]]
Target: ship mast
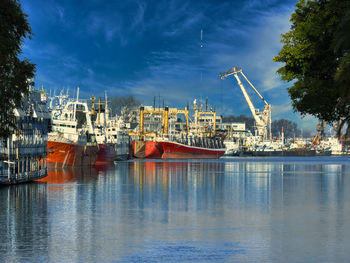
[[75, 104], [99, 103], [106, 109]]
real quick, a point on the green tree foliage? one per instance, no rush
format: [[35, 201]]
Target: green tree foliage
[[117, 103], [315, 57], [342, 76], [290, 128], [14, 72]]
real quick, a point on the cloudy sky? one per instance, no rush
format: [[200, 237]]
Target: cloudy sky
[[153, 48]]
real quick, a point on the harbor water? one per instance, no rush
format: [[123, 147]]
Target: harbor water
[[282, 209]]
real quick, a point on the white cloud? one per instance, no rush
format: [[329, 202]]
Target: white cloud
[[278, 110], [138, 18], [183, 25], [61, 13], [255, 4]]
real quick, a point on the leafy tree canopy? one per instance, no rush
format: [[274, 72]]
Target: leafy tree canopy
[[315, 56], [14, 72], [117, 103], [290, 129]]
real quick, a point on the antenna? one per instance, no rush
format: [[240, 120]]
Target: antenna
[[201, 38], [158, 100], [77, 93], [201, 46]]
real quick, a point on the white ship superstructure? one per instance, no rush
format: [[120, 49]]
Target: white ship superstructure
[[117, 135], [72, 140]]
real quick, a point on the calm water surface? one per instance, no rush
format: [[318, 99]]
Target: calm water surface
[[227, 210]]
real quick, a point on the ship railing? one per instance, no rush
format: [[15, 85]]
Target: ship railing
[[24, 150], [3, 151], [8, 177]]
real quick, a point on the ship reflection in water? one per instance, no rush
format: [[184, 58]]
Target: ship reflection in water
[[236, 210]]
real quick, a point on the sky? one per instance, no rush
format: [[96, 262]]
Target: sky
[[155, 48]]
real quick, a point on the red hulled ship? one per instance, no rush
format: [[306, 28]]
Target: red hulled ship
[[112, 142], [147, 149], [72, 141], [106, 154], [63, 152], [195, 140], [178, 150]]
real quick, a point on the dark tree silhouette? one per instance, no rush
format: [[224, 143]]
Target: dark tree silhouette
[[15, 74]]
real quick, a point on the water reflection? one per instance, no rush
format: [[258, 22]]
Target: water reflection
[[149, 211], [23, 222]]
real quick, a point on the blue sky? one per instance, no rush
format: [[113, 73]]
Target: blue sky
[[151, 48]]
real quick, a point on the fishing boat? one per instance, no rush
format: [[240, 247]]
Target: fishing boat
[[192, 148], [196, 140], [106, 148], [144, 143], [106, 152], [147, 149], [112, 140], [72, 141], [117, 135]]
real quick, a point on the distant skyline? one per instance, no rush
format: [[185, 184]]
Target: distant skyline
[[152, 48]]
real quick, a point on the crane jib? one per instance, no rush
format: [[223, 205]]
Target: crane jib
[[262, 119]]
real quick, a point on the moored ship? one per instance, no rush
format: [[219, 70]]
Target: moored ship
[[207, 148], [106, 154], [113, 142], [72, 142], [64, 152], [197, 140], [147, 149], [145, 143], [106, 150]]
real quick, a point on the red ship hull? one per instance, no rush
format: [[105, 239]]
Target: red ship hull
[[106, 154], [174, 150], [69, 154], [153, 150], [147, 149]]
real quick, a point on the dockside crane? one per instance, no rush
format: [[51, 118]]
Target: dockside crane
[[262, 119]]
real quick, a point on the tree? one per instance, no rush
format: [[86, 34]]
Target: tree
[[342, 78], [312, 60], [14, 72], [290, 128], [118, 102]]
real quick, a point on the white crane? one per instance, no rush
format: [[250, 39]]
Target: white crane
[[262, 119]]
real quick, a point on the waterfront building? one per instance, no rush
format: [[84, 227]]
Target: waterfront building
[[23, 154]]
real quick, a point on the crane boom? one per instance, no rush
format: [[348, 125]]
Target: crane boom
[[257, 92], [262, 119]]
